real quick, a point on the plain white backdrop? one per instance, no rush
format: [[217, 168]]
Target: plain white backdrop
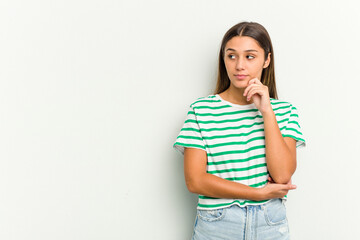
[[94, 93]]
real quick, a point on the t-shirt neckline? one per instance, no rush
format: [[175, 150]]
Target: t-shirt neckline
[[238, 106]]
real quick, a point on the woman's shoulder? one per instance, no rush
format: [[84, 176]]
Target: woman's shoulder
[[282, 106], [280, 103], [205, 100]]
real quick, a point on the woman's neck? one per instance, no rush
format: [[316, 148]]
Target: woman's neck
[[235, 96]]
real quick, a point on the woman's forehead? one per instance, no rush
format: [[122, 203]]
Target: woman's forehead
[[243, 44]]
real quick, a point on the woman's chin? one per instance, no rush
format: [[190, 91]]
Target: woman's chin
[[240, 85]]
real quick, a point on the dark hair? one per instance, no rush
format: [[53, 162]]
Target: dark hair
[[259, 33]]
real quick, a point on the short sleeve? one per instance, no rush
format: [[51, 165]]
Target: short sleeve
[[190, 134], [293, 129]]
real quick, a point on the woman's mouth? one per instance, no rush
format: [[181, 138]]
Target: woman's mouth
[[240, 76]]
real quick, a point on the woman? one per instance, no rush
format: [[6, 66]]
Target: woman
[[239, 144]]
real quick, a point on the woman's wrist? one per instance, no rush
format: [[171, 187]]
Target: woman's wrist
[[259, 194], [268, 112]]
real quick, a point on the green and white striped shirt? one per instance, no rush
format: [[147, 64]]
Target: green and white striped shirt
[[234, 139]]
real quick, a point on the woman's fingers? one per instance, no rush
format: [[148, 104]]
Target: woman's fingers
[[290, 186], [270, 179], [254, 90], [253, 82]]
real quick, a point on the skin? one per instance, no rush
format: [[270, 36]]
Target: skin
[[244, 56]]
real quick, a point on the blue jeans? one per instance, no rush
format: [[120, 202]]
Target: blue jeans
[[260, 222]]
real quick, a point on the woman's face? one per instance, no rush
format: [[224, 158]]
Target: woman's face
[[244, 60]]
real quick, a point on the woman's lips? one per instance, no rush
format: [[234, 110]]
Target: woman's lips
[[241, 76]]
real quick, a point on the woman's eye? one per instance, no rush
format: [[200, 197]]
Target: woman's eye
[[231, 56], [251, 57]]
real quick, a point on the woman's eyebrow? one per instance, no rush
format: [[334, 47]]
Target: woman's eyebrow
[[249, 50]]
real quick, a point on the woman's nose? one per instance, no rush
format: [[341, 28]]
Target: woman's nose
[[239, 64]]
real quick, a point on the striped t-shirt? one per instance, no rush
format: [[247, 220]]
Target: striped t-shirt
[[234, 139]]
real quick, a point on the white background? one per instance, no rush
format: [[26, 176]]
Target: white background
[[94, 93]]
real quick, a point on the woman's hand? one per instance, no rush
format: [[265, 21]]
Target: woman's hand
[[260, 95], [274, 190], [270, 180]]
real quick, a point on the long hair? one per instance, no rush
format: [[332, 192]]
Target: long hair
[[259, 33]]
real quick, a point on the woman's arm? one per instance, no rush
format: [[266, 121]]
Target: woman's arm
[[280, 151], [200, 182]]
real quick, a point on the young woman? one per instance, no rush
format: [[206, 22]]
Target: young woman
[[239, 144]]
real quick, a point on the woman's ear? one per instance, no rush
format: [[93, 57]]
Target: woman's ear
[[267, 62]]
